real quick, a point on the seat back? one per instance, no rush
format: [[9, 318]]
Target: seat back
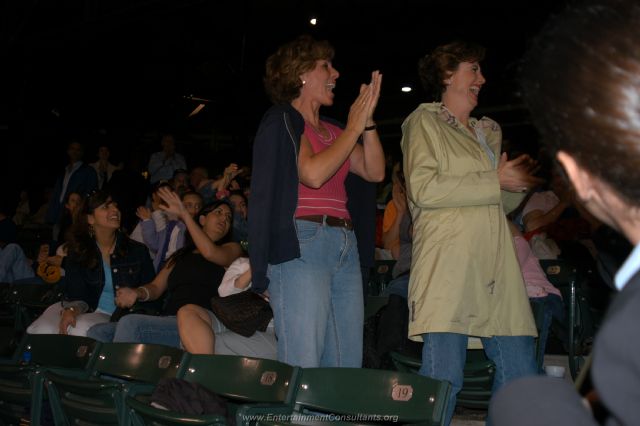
[[60, 351], [366, 395], [243, 379], [36, 296], [138, 362], [29, 301], [559, 273], [380, 276], [21, 385], [98, 397]]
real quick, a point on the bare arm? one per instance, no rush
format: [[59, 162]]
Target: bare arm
[[221, 255], [230, 172], [316, 168], [537, 219], [127, 296]]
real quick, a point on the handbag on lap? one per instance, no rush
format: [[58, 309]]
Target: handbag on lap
[[243, 313]]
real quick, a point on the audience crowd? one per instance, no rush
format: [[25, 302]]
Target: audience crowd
[[139, 255]]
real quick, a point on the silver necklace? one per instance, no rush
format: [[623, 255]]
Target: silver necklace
[[323, 138]]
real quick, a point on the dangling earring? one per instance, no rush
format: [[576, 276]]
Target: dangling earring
[[92, 232], [304, 82]]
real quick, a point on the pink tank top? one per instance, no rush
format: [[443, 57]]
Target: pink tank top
[[331, 198]]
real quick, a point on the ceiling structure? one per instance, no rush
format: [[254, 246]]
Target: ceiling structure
[[124, 69]]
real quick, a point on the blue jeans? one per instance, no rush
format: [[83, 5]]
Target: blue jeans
[[399, 286], [444, 356], [553, 308], [317, 300], [14, 264], [138, 328]]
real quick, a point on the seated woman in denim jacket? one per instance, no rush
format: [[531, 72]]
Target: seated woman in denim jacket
[[190, 276], [100, 259]]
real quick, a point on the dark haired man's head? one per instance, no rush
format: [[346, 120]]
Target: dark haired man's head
[[75, 151], [582, 84]]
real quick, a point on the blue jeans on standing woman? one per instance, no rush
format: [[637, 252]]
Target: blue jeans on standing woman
[[444, 356], [317, 300]]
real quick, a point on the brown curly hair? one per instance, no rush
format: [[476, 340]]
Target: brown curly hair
[[283, 69], [438, 65]]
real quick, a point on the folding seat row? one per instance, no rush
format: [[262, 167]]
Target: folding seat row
[[88, 383]]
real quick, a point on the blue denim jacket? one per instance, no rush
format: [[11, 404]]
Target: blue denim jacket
[[131, 266]]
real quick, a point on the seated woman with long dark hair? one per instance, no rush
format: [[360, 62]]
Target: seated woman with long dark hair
[[201, 332], [191, 276], [100, 259]]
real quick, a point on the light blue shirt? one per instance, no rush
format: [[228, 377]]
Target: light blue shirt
[[107, 302], [628, 269], [161, 168]]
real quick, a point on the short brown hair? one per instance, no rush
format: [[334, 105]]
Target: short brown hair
[[438, 65], [582, 85], [283, 69]]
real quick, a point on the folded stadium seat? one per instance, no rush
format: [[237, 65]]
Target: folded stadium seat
[[361, 395], [252, 386], [21, 379], [97, 396]]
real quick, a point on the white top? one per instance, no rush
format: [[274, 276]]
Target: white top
[[227, 286]]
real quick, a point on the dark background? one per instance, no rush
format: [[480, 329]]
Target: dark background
[[120, 71]]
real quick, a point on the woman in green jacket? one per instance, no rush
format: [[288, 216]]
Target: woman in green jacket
[[465, 279]]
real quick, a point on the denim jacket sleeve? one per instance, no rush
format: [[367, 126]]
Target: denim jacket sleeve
[[134, 269], [82, 283]]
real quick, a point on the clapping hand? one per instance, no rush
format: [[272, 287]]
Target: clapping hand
[[517, 175], [362, 109]]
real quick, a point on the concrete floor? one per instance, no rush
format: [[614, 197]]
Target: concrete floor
[[467, 417]]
